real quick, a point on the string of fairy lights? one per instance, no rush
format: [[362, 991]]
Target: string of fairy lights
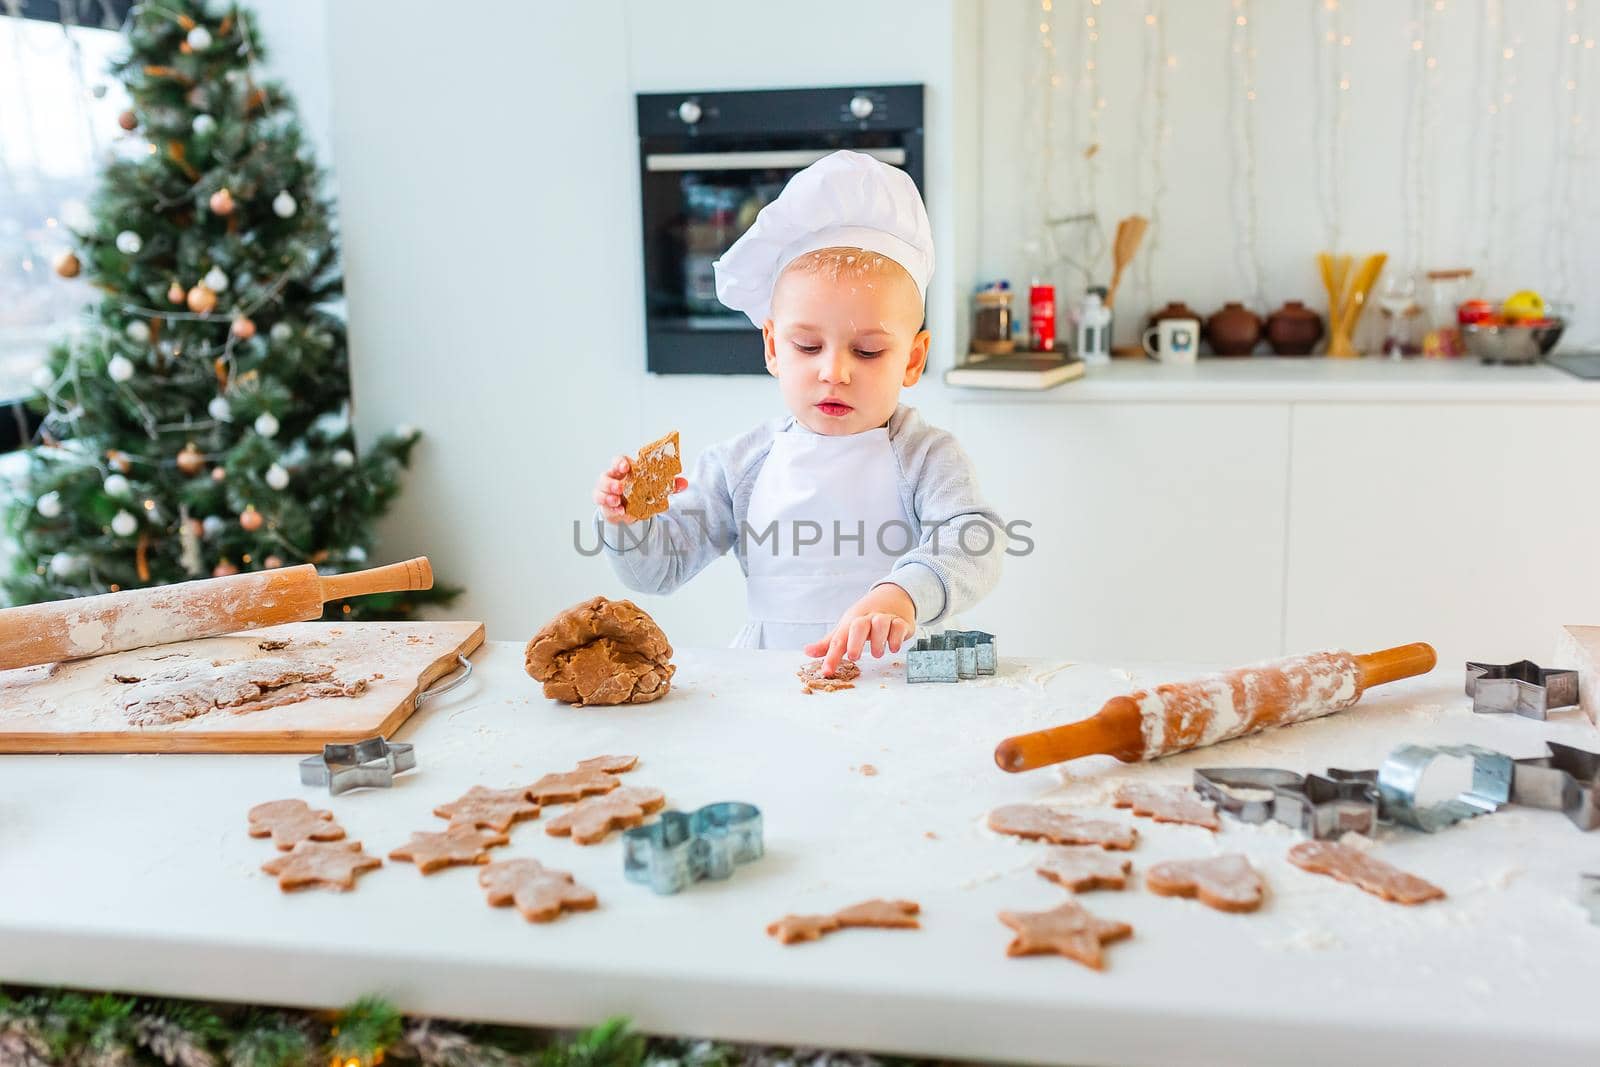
[[1473, 133]]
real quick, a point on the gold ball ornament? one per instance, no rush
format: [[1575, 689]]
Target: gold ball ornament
[[243, 328], [250, 520], [272, 563], [191, 460], [119, 460], [202, 300], [128, 120], [176, 294], [221, 202], [67, 265], [218, 474], [224, 569]]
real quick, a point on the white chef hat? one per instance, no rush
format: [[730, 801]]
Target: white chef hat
[[846, 199]]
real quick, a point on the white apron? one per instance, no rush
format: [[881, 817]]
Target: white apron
[[796, 596]]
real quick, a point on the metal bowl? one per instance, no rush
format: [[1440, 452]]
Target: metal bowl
[[1512, 343]]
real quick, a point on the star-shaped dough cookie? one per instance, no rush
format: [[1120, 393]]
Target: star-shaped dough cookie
[[1067, 929], [591, 820], [458, 846], [492, 809], [334, 864], [540, 893], [567, 786]]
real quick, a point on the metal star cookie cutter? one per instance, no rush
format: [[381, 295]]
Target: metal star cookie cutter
[[682, 848], [372, 763], [1319, 807], [951, 656], [1401, 776], [1566, 780], [1523, 688]]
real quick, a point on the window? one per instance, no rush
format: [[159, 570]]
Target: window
[[58, 121]]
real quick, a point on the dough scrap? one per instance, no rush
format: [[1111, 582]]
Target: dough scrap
[[193, 689], [883, 914], [601, 652], [812, 679], [647, 489]]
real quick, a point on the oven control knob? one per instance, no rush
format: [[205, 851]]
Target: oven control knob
[[860, 106], [689, 112]]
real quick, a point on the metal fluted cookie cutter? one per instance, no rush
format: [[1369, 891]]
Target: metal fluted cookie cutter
[[1317, 806], [372, 763], [1401, 777], [951, 656], [1567, 780], [1522, 688], [682, 848]]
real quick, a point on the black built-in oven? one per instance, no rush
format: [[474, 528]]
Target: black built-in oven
[[708, 162]]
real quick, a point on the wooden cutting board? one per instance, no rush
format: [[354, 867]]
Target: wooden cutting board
[[275, 685]]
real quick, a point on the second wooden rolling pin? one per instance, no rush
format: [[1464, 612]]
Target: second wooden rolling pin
[[1176, 717], [134, 618]]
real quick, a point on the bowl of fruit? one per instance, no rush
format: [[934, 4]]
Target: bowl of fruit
[[1520, 330]]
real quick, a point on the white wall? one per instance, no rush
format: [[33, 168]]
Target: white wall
[[490, 215], [1520, 243]]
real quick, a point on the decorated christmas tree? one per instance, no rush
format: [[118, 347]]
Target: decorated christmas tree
[[199, 425]]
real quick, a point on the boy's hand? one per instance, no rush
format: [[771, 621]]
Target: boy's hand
[[608, 491], [886, 617]]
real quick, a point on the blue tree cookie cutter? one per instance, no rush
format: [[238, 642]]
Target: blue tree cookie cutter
[[681, 848], [951, 656]]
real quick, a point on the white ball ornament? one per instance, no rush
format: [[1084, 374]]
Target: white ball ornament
[[199, 38], [283, 205], [281, 332], [213, 525], [405, 431], [267, 424], [138, 331], [277, 477], [129, 243], [344, 458], [356, 554], [120, 368], [43, 378], [49, 505], [204, 125], [218, 409], [115, 485], [63, 564], [215, 280], [75, 215], [124, 524]]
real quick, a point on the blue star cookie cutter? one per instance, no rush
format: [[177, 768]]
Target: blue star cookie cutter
[[682, 848], [950, 656]]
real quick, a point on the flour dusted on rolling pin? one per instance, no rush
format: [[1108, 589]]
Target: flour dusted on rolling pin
[[1185, 715]]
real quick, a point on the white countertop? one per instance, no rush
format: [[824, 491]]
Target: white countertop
[[135, 873], [1313, 379]]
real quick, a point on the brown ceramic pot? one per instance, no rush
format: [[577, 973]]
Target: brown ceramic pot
[[1233, 331], [1175, 309], [1294, 329]]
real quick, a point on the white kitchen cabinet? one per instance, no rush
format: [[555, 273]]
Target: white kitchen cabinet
[[1158, 528], [1471, 526]]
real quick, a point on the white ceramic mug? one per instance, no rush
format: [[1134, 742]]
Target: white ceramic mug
[[1175, 340]]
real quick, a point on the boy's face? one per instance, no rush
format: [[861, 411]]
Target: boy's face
[[842, 345]]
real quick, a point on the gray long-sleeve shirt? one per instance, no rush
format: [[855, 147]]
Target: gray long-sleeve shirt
[[945, 572]]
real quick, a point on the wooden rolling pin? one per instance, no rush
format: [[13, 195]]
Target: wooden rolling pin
[[1152, 723], [135, 618]]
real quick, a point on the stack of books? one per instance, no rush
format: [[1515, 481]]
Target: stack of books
[[1019, 370]]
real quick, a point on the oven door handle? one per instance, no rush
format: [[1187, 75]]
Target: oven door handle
[[777, 159]]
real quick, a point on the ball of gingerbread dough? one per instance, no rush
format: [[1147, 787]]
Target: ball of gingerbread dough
[[602, 652]]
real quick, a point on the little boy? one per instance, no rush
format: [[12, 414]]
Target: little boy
[[854, 521]]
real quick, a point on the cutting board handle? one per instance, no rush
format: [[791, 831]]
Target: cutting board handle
[[395, 578]]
